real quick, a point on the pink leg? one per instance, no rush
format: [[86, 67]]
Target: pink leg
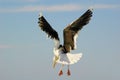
[[68, 72], [61, 72]]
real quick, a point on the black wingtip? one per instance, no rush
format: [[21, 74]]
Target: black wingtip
[[40, 16], [91, 9]]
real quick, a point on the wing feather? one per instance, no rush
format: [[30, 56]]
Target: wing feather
[[46, 27], [71, 31]]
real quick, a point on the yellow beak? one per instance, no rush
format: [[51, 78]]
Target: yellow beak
[[55, 61]]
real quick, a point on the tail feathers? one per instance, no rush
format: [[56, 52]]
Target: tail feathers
[[69, 58], [74, 58]]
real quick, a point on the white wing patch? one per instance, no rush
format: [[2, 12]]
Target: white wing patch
[[75, 41], [57, 43]]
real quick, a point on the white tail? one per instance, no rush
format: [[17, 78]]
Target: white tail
[[69, 58], [74, 58]]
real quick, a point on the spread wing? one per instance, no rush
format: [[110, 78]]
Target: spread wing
[[46, 27], [71, 31]]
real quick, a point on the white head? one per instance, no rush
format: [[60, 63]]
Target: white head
[[55, 59], [56, 55]]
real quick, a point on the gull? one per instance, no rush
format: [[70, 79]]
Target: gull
[[62, 53]]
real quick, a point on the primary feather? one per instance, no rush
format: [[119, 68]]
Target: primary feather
[[71, 31], [45, 26]]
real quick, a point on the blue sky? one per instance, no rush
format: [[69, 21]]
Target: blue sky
[[26, 53]]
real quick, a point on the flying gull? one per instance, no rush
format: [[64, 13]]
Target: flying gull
[[62, 53]]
